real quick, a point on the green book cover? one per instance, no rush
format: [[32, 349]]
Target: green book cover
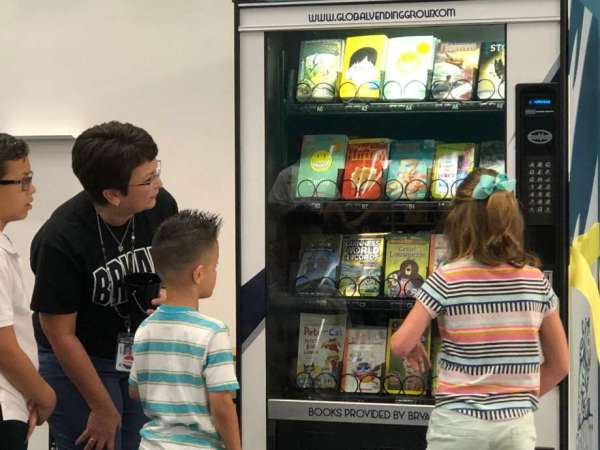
[[318, 70], [452, 164], [361, 265], [323, 156], [492, 71], [409, 170], [406, 259], [399, 378], [319, 260]]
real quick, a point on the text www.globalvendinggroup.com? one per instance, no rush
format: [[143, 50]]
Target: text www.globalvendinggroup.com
[[371, 16]]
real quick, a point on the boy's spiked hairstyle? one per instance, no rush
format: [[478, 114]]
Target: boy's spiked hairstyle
[[490, 231], [11, 149], [184, 239]]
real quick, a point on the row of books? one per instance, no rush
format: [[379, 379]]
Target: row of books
[[359, 265], [334, 355], [371, 169], [404, 68]]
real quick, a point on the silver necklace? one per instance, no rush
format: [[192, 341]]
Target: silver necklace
[[119, 243]]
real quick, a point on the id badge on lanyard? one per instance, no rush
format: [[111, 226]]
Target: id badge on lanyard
[[124, 359]]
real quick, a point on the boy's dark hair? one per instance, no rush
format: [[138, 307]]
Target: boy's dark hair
[[183, 239], [104, 156], [11, 149]]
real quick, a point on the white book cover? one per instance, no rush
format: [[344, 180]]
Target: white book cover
[[320, 350], [409, 66], [364, 360]]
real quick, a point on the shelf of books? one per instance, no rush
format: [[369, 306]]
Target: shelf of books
[[361, 172]]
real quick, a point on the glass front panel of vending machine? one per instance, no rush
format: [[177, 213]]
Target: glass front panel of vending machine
[[369, 132]]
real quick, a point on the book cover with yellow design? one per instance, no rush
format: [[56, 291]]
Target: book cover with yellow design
[[409, 66], [364, 61], [406, 258], [322, 157]]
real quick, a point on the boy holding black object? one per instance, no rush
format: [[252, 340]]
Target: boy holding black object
[[80, 257], [24, 396], [183, 364]]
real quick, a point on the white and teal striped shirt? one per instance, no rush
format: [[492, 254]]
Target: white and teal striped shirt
[[179, 356]]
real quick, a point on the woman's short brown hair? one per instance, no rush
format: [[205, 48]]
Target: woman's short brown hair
[[491, 231]]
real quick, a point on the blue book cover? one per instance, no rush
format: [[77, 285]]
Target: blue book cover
[[409, 171], [319, 261]]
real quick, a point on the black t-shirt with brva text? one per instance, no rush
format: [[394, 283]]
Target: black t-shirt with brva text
[[72, 275]]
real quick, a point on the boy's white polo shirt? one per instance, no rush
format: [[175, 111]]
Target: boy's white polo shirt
[[15, 312]]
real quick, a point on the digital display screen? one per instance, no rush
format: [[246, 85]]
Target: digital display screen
[[539, 101]]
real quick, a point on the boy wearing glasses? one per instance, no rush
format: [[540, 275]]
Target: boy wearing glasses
[[25, 398], [82, 312]]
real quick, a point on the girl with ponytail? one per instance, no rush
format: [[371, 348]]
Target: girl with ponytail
[[495, 310]]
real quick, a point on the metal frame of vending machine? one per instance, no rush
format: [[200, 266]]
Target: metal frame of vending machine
[[269, 121]]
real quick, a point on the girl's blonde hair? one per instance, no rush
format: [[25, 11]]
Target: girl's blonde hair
[[491, 231]]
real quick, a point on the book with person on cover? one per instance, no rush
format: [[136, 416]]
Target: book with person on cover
[[409, 66], [319, 68], [492, 71], [399, 377], [322, 158], [361, 265], [320, 350], [406, 258], [492, 155], [452, 164], [438, 252], [364, 61], [364, 358], [455, 70], [366, 161], [319, 261], [409, 171]]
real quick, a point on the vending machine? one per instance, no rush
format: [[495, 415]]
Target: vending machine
[[355, 123]]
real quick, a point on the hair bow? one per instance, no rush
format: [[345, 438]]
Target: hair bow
[[488, 185]]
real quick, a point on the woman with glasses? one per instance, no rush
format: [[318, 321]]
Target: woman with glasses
[[82, 311]]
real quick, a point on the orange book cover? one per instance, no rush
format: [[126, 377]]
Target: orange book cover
[[366, 161]]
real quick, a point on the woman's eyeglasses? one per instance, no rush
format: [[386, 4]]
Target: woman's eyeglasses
[[25, 182], [152, 178]]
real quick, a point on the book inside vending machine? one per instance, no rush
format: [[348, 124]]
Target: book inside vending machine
[[356, 123]]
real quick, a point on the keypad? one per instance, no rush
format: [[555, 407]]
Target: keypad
[[539, 186]]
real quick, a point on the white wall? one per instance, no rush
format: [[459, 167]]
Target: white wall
[[166, 66]]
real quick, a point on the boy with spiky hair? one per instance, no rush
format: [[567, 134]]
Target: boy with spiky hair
[[183, 368]]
